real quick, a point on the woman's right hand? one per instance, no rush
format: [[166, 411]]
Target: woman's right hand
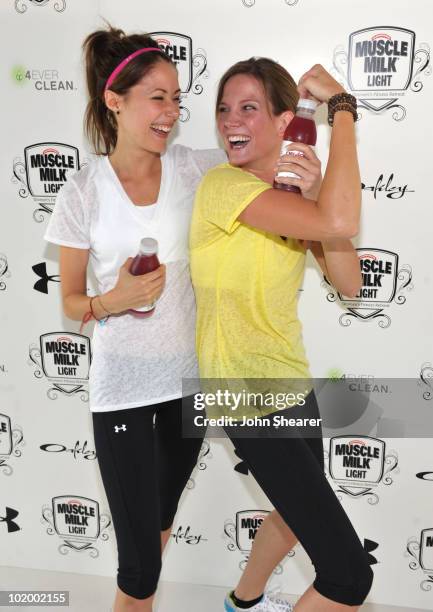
[[135, 291], [317, 83]]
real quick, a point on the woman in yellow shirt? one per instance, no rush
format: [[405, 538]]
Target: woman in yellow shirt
[[247, 264]]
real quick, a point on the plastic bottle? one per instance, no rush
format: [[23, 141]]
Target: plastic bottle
[[301, 129], [145, 261]]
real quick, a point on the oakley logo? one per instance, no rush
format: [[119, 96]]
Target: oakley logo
[[425, 476]]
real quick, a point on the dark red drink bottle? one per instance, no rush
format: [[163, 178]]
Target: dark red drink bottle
[[301, 129], [146, 261]]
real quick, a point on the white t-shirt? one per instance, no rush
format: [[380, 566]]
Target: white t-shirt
[[136, 361]]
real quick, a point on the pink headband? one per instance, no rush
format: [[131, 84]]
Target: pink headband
[[126, 61]]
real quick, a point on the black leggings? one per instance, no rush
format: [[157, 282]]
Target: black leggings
[[290, 472], [144, 468]]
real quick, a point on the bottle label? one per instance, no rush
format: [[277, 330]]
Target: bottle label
[[284, 151]]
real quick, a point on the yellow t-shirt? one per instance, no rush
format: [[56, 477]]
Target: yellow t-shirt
[[246, 283]]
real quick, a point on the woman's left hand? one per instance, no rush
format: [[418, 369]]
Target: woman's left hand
[[303, 161]]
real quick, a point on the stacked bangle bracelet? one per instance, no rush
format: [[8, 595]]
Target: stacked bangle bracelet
[[342, 102]]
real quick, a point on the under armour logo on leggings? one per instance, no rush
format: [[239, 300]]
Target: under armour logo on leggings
[[118, 428]]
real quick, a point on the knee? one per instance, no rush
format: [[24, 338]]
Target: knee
[[364, 582], [139, 583], [350, 588]]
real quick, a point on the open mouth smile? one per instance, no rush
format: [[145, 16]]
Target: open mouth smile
[[161, 130], [238, 141]]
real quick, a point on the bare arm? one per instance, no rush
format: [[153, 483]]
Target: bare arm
[[335, 213], [340, 264], [130, 291], [337, 258]]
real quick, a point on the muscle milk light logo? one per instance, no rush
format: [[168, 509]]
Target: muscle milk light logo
[[21, 6], [45, 169], [77, 521], [64, 359], [383, 283], [358, 465], [421, 550], [11, 439], [192, 67], [241, 533], [380, 66]]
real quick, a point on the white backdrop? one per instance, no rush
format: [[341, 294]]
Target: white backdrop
[[46, 442]]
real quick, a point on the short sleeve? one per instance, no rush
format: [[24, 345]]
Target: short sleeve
[[69, 223], [205, 159], [190, 165], [225, 192]]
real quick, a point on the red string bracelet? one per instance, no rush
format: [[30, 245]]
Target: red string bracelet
[[91, 315]]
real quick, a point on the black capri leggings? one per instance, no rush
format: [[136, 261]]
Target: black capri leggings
[[145, 466], [290, 472]]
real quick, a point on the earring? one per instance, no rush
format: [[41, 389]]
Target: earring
[[118, 112]]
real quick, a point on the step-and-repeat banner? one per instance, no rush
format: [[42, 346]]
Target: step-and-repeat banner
[[53, 510]]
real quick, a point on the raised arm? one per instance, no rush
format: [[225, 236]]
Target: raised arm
[[336, 212], [340, 264]]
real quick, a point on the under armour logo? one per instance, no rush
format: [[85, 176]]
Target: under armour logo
[[44, 278], [11, 525], [241, 467], [369, 546], [117, 428]]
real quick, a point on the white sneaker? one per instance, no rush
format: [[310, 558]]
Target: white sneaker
[[269, 603]]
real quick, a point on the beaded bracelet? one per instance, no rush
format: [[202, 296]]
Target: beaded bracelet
[[342, 107], [342, 102], [342, 97]]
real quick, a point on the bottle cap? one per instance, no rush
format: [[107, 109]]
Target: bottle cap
[[307, 103], [148, 246]]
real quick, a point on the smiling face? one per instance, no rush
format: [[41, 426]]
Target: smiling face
[[149, 110], [252, 134]]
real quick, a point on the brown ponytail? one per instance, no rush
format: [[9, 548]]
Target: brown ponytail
[[103, 51]]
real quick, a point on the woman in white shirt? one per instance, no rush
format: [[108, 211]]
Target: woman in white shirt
[[136, 188]]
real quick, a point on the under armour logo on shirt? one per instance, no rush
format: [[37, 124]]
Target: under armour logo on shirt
[[117, 428]]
